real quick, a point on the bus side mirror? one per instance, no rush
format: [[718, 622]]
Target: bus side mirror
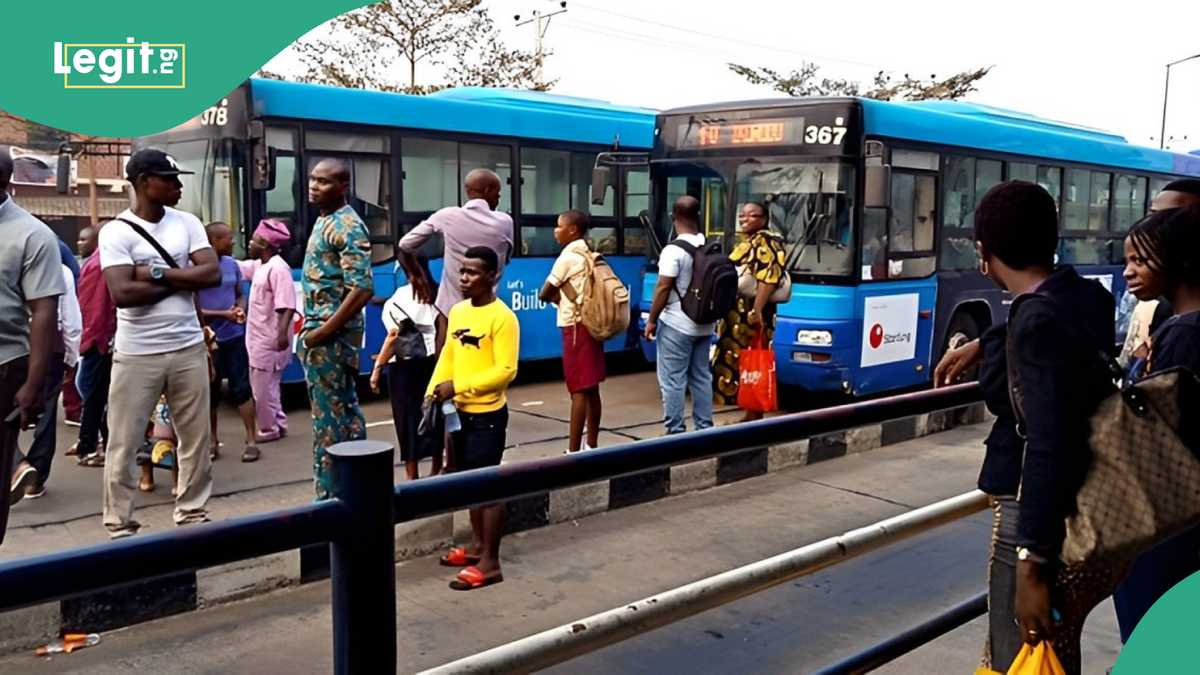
[[62, 174], [599, 184], [264, 160], [877, 186]]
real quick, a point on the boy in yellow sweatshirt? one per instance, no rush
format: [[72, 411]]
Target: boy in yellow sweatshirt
[[478, 361]]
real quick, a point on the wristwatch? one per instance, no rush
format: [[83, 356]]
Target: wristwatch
[[158, 272], [1024, 554]]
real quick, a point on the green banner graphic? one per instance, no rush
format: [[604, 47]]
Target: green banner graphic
[[138, 68], [1165, 638]]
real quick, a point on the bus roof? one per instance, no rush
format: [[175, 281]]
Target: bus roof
[[480, 110], [976, 126]]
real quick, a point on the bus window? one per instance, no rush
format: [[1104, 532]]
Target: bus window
[[281, 200], [581, 186], [430, 174], [495, 157], [1098, 200], [910, 230], [988, 172], [958, 205], [339, 141], [1129, 201], [373, 196], [637, 199], [1022, 171], [545, 181], [1157, 185], [1050, 178]]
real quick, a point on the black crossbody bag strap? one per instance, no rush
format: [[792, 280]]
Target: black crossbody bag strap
[[162, 252]]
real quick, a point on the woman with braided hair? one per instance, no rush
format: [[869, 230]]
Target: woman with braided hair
[[1162, 259]]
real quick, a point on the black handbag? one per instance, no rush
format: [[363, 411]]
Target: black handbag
[[431, 418], [409, 343]]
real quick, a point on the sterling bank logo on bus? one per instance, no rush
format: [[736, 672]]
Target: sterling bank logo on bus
[[889, 329], [121, 65]]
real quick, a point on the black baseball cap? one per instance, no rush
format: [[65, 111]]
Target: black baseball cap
[[154, 162]]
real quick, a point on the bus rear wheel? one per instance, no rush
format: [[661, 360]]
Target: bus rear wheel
[[963, 328]]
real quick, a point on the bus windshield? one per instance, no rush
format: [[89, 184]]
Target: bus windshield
[[214, 192], [811, 203]]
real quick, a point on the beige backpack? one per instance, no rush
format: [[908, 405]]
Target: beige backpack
[[604, 305]]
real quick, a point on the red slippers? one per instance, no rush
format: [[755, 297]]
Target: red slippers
[[471, 578], [457, 557]]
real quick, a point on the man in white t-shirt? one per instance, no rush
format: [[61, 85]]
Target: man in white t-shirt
[[683, 344], [159, 344]]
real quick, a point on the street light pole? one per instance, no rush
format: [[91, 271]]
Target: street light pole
[[1162, 134]]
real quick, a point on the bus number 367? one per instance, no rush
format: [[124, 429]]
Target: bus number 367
[[825, 135]]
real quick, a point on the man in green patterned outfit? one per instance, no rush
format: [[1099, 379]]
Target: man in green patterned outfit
[[337, 285]]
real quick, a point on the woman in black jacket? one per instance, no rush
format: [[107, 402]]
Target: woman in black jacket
[[1041, 369], [1162, 259]]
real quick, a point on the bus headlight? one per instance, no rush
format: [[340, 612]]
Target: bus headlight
[[814, 338]]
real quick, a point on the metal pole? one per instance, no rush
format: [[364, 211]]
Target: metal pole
[[1162, 135], [363, 560], [560, 644]]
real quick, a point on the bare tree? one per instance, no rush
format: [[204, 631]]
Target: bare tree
[[365, 49], [804, 82]]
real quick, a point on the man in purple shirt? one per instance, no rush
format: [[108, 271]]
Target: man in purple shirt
[[475, 223], [223, 309]]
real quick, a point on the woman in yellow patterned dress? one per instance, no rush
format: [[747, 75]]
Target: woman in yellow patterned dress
[[763, 252]]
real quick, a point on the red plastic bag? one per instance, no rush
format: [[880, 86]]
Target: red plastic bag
[[757, 386]]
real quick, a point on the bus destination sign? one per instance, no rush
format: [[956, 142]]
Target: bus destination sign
[[758, 132]]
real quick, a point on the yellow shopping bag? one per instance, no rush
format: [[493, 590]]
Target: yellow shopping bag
[[1037, 660]]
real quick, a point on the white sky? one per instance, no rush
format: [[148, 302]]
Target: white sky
[[1072, 60]]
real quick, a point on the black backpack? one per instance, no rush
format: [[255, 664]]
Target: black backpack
[[714, 288]]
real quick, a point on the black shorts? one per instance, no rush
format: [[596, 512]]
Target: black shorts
[[231, 363], [480, 441]]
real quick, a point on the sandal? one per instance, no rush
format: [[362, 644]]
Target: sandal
[[145, 486], [73, 450], [471, 578], [251, 453], [457, 557], [96, 459]]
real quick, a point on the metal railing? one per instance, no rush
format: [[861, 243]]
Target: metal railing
[[358, 521]]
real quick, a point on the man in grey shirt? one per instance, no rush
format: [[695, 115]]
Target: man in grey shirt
[[31, 279], [475, 223]]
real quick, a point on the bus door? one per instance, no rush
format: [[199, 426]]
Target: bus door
[[895, 301]]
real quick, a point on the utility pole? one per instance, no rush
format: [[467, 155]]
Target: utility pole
[[1162, 135], [541, 23]]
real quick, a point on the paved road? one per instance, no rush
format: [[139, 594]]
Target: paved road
[[564, 572]]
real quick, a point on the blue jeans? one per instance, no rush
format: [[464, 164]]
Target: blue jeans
[[683, 364]]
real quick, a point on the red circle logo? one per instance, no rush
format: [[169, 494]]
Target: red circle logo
[[876, 336]]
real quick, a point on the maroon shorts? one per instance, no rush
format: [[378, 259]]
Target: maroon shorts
[[583, 359]]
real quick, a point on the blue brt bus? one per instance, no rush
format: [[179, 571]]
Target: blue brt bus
[[252, 152], [875, 200]]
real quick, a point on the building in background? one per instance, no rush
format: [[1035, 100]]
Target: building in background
[[34, 149]]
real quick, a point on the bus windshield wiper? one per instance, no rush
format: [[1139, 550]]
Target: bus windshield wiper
[[815, 219]]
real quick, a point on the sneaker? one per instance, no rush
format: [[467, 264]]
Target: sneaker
[[36, 490], [22, 478], [120, 532], [71, 423], [191, 517]]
